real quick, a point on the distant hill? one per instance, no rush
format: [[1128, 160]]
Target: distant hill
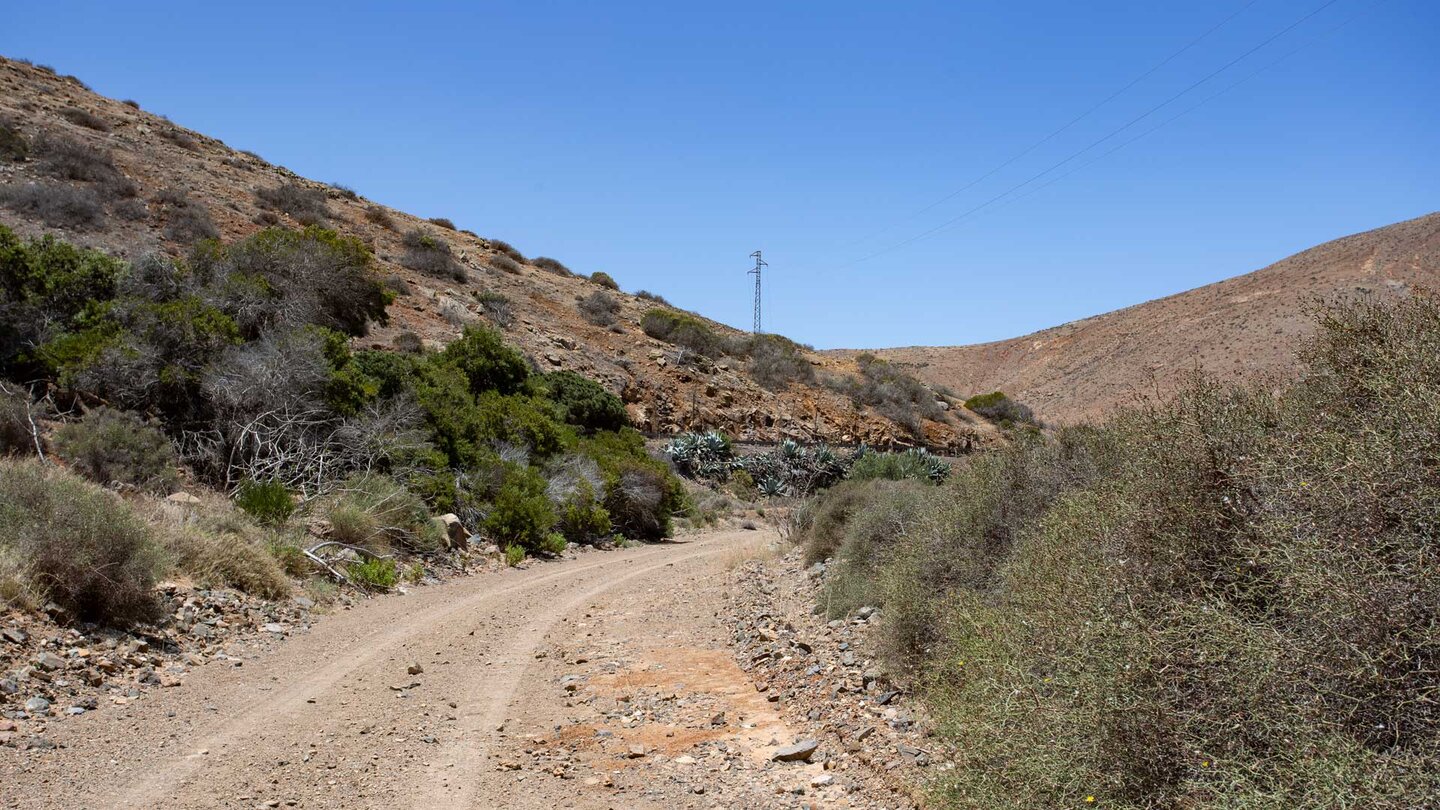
[[107, 174], [1243, 327]]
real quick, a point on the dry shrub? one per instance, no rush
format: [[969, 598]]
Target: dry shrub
[[73, 543], [56, 205], [84, 118], [379, 216], [442, 222], [180, 138], [69, 159], [186, 220], [377, 513], [1230, 600], [550, 265], [599, 308], [118, 447], [776, 362], [429, 255], [305, 205], [216, 547], [501, 246], [505, 264]]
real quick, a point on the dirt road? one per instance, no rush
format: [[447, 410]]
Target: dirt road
[[599, 682]]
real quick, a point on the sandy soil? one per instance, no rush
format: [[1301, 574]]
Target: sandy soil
[[599, 682]]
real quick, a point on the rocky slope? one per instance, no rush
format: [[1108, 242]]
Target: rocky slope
[[169, 177], [1247, 326]]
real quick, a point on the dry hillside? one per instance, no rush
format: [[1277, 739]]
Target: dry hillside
[[167, 186], [1245, 326]]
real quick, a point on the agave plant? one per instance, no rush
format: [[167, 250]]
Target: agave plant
[[701, 455]]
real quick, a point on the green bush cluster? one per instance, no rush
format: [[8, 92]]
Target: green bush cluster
[[998, 407], [268, 502], [683, 329], [118, 447], [1228, 600]]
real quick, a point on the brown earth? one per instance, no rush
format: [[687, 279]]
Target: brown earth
[[602, 682], [1246, 327], [663, 397]]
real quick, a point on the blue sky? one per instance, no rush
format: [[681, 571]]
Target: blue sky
[[663, 142]]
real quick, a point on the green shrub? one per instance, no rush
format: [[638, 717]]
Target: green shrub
[[682, 329], [998, 407], [487, 362], [496, 307], [284, 278], [869, 539], [118, 447], [553, 544], [374, 573], [521, 515], [604, 280], [269, 502], [289, 556], [776, 362], [514, 555], [70, 542], [583, 402], [581, 518], [641, 495]]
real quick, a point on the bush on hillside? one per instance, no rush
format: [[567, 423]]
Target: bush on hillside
[[118, 447], [285, 278], [550, 265], [68, 159], [70, 542], [13, 145], [431, 256], [505, 264], [58, 206], [604, 280], [186, 220], [1225, 600], [998, 407], [683, 329], [496, 307], [891, 392], [442, 222], [584, 403], [84, 118], [307, 206], [45, 285], [520, 514], [507, 249], [599, 308], [487, 362], [379, 216], [776, 362]]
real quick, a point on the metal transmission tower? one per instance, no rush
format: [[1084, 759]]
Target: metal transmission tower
[[759, 263]]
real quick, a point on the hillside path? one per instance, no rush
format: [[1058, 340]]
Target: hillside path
[[601, 682]]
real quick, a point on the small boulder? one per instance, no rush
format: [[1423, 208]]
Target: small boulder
[[183, 498], [799, 752], [37, 705]]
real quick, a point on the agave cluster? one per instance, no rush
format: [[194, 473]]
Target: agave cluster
[[706, 455]]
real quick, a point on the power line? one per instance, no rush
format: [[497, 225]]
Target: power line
[[987, 203], [1072, 122], [1318, 38]]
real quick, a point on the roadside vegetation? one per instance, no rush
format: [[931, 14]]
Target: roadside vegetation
[[1226, 600], [231, 371]]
